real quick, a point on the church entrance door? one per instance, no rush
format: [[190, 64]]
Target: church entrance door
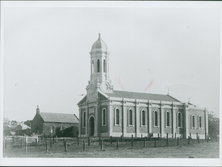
[[91, 126]]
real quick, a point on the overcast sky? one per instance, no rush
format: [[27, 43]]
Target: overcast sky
[[47, 60]]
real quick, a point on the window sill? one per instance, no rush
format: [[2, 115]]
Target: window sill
[[130, 125], [117, 125], [143, 126]]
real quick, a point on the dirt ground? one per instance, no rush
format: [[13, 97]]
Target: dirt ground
[[125, 150]]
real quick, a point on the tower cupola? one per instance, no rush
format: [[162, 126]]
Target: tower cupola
[[99, 75], [99, 46]]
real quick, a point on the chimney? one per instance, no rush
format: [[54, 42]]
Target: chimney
[[37, 110]]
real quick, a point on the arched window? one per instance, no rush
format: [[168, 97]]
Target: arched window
[[179, 120], [143, 117], [155, 118], [92, 66], [84, 119], [117, 117], [200, 123], [104, 117], [167, 119], [193, 121], [130, 117], [104, 65], [98, 66]]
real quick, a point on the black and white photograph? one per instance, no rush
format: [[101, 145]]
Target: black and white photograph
[[110, 83]]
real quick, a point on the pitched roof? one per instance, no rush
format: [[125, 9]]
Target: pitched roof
[[24, 126], [59, 117], [138, 95]]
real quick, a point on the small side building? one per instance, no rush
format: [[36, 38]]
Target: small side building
[[54, 124]]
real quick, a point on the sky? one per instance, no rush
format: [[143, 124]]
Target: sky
[[46, 58]]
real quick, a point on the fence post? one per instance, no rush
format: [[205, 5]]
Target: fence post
[[36, 144], [111, 140], [101, 145], [198, 140], [88, 141], [141, 136], [132, 141], [77, 140], [53, 141], [178, 141], [190, 135], [121, 139], [25, 145], [46, 145], [207, 138], [158, 135], [99, 140], [83, 145], [167, 140], [176, 136], [13, 140], [188, 140], [65, 144], [144, 144], [50, 141], [5, 142], [155, 143], [117, 144], [21, 142]]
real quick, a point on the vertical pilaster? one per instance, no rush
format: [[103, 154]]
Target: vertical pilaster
[[111, 118], [149, 118], [186, 122], [137, 119], [124, 118], [87, 114], [206, 121], [80, 122], [174, 120], [162, 120], [96, 119]]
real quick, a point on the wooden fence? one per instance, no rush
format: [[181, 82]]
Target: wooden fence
[[70, 144]]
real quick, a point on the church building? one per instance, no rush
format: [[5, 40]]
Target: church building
[[106, 112]]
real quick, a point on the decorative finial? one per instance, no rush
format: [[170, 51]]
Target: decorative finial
[[99, 36], [37, 106]]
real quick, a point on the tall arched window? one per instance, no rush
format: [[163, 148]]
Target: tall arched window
[[104, 65], [104, 117], [179, 119], [200, 123], [117, 116], [98, 66], [143, 117], [130, 117], [155, 118], [193, 121], [167, 119], [92, 66]]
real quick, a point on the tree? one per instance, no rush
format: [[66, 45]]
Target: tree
[[213, 125]]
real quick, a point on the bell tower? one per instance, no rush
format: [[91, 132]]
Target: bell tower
[[99, 71]]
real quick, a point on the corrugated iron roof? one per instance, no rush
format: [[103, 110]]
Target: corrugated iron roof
[[59, 117], [138, 95]]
